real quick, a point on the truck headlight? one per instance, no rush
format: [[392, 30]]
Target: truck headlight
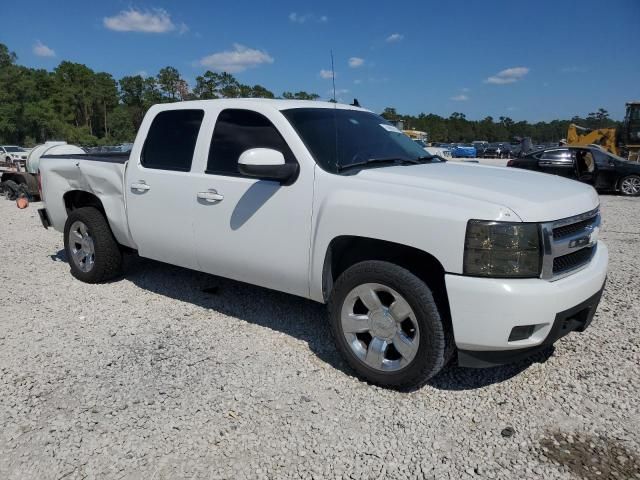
[[502, 249]]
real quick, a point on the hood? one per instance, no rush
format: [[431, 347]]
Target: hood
[[533, 196]]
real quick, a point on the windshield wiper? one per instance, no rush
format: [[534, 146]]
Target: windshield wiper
[[431, 158], [396, 160], [428, 158]]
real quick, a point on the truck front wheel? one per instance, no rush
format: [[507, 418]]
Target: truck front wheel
[[387, 325], [93, 253]]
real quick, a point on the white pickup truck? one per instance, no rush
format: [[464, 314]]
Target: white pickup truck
[[418, 259]]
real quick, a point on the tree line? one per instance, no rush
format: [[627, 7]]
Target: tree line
[[457, 128], [88, 108]]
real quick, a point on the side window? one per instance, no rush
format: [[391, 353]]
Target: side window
[[560, 158], [171, 140], [602, 159], [556, 155], [237, 131]]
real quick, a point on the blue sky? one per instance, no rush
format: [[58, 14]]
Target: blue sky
[[537, 60]]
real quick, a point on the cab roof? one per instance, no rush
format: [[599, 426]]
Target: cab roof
[[277, 104]]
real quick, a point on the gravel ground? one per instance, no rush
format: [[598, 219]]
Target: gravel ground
[[168, 373]]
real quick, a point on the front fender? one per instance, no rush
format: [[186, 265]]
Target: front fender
[[430, 221]]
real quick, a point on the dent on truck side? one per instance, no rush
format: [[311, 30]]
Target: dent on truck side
[[102, 179]]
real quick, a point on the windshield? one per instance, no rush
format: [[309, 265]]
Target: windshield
[[338, 138], [13, 149]]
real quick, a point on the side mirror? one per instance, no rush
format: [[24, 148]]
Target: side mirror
[[266, 164]]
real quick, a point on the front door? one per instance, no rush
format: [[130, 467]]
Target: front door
[[606, 174], [253, 230], [159, 187]]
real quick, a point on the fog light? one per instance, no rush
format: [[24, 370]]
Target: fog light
[[521, 332]]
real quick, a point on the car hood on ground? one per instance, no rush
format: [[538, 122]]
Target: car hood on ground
[[533, 196]]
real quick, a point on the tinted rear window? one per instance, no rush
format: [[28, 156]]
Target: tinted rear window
[[171, 140]]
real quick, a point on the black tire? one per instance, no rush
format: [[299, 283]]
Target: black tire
[[633, 178], [108, 255], [11, 189], [435, 346]]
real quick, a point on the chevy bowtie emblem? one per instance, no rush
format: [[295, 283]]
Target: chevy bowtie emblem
[[589, 239], [580, 242]]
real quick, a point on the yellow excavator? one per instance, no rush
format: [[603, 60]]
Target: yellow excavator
[[625, 143], [582, 136]]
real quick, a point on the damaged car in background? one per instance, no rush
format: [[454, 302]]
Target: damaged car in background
[[590, 164]]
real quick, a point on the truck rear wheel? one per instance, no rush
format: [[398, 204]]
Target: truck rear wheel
[[93, 252], [387, 326]]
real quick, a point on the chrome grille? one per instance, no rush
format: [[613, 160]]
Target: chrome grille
[[566, 230], [572, 260], [569, 244]]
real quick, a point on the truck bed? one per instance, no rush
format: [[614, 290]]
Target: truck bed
[[98, 174]]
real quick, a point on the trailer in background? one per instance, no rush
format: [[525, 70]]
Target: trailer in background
[[21, 180]]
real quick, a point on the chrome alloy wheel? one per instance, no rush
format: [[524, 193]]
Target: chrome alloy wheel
[[630, 186], [83, 252], [380, 327]]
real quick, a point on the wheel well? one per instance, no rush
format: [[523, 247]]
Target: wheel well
[[622, 177], [77, 198], [346, 251]]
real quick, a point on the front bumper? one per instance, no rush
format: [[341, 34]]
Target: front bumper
[[484, 311]]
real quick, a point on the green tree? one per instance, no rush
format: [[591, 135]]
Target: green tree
[[302, 95], [229, 86], [122, 129], [105, 98], [7, 58], [389, 113], [169, 82], [75, 89], [258, 91], [207, 86]]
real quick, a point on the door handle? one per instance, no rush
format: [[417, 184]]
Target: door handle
[[210, 196], [140, 186]]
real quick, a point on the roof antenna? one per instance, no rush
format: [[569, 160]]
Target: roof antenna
[[333, 78], [355, 103]]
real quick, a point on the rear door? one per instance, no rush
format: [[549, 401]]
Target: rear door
[[159, 188], [558, 162], [258, 231]]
